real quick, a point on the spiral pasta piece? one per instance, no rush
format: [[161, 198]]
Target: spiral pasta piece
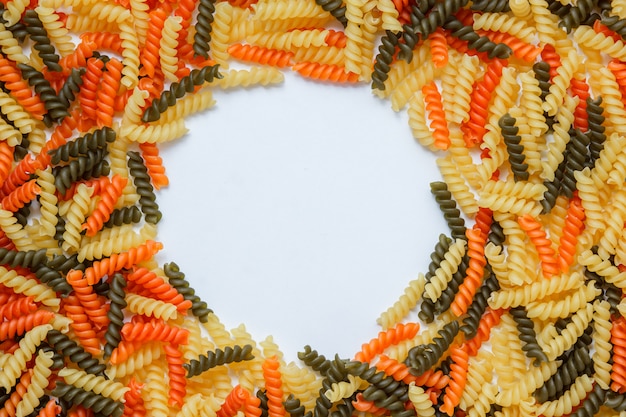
[[618, 382], [149, 54], [475, 250], [150, 307], [130, 55], [273, 387], [403, 305], [16, 114], [500, 22], [21, 325], [385, 339], [572, 229], [421, 401], [235, 399], [562, 308], [457, 84], [588, 38], [108, 197], [28, 287], [480, 98], [443, 274], [97, 384], [107, 91], [154, 330], [439, 48], [13, 365], [602, 342], [123, 260], [543, 246], [325, 72], [436, 114], [19, 89], [142, 357], [167, 47]]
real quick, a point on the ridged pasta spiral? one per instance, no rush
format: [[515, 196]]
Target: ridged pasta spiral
[[29, 287], [13, 365], [38, 33], [202, 37], [178, 89], [218, 357], [75, 217], [134, 361], [86, 166], [527, 334], [448, 266], [177, 280], [592, 403], [475, 312], [14, 309], [27, 259], [457, 84], [386, 339], [570, 399], [115, 315], [123, 260], [499, 22], [382, 62], [588, 38], [542, 244], [458, 376], [476, 41], [261, 55], [151, 307], [421, 401], [74, 353], [618, 340], [326, 72], [336, 8], [422, 28], [57, 33], [576, 160], [93, 383], [96, 402], [514, 148], [418, 121], [253, 76], [602, 342], [108, 198], [558, 343], [55, 109], [564, 307], [342, 389], [422, 358], [16, 114], [451, 214], [124, 215], [167, 50], [404, 304], [574, 364], [141, 180], [576, 15], [571, 230], [158, 287], [38, 383]]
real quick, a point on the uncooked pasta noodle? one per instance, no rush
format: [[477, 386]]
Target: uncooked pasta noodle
[[520, 313]]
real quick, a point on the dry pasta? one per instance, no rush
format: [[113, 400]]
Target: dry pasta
[[533, 162]]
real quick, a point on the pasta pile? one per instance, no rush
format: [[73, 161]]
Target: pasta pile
[[521, 313]]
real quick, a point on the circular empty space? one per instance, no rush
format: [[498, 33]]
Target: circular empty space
[[300, 210]]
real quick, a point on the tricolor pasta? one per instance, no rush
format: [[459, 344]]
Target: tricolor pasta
[[522, 102]]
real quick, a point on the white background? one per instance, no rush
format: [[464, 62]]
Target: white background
[[301, 210]]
